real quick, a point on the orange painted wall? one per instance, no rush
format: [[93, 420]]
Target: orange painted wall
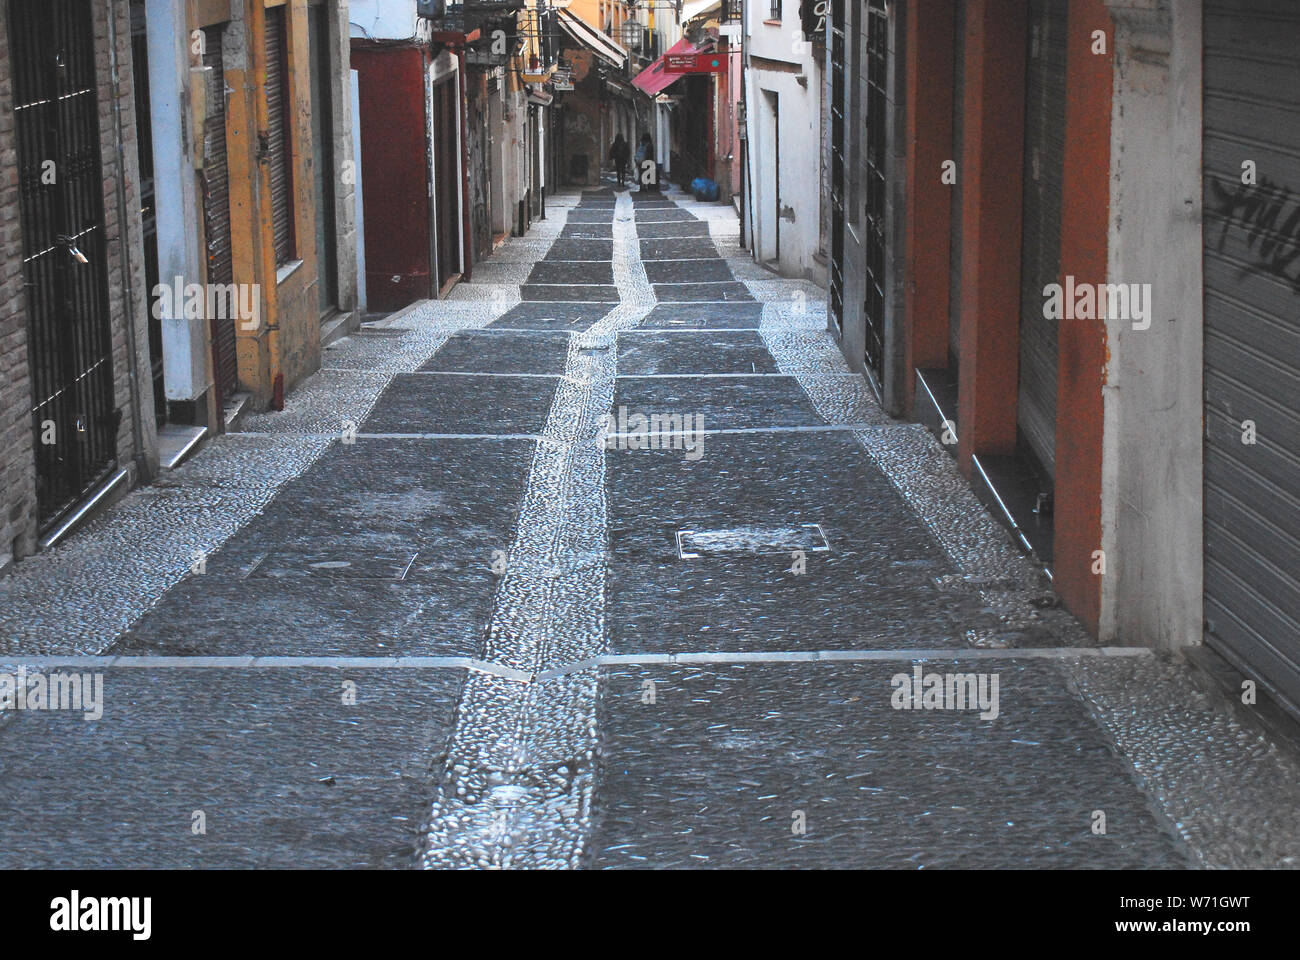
[[1085, 217], [929, 66], [992, 172]]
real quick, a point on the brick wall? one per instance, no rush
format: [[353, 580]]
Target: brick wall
[[17, 460], [127, 296]]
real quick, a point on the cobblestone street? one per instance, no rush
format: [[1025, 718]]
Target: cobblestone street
[[605, 561]]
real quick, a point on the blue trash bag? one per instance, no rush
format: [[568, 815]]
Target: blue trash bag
[[704, 189]]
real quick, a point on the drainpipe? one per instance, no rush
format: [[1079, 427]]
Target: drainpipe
[[747, 180], [124, 242]]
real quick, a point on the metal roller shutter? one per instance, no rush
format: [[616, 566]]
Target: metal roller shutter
[[278, 136], [838, 108], [1041, 233], [216, 213], [1252, 340], [874, 181]]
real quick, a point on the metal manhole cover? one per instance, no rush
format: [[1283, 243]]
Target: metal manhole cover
[[332, 566], [751, 541]]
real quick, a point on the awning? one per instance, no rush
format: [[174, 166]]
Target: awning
[[593, 39], [694, 8], [654, 78]]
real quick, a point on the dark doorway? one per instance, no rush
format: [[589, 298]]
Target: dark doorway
[[61, 210], [148, 210], [873, 181], [322, 129], [838, 105], [218, 250], [446, 149]]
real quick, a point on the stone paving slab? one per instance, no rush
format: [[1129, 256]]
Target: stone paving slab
[[442, 403], [848, 599], [571, 272], [591, 250], [582, 214], [666, 215], [718, 769], [725, 404], [704, 316], [680, 228], [687, 271], [683, 249], [666, 353], [773, 479], [551, 315], [588, 231], [386, 494], [570, 293], [320, 617], [501, 352], [731, 290], [285, 773]]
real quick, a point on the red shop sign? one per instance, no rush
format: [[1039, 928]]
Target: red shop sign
[[694, 63]]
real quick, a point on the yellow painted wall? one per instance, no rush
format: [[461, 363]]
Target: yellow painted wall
[[287, 341]]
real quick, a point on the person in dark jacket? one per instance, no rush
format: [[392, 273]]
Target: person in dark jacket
[[618, 157], [645, 151]]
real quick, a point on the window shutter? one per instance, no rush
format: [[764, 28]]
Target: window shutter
[[278, 137]]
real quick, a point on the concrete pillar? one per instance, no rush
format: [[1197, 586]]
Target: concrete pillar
[[187, 361], [1151, 474]]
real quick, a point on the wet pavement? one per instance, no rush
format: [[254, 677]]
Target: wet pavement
[[460, 605]]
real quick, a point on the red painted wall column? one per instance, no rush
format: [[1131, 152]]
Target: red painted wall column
[[1085, 218], [991, 171], [929, 66]]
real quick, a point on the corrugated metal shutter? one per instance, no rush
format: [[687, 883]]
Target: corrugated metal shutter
[[277, 134], [874, 159], [216, 213], [1252, 340], [838, 110], [1041, 233], [446, 115]]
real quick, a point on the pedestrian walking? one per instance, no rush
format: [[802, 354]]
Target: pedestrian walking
[[646, 151], [618, 157]]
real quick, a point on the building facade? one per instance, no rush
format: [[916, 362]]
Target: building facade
[[253, 180], [180, 246], [1075, 228], [783, 79], [77, 421], [453, 126]]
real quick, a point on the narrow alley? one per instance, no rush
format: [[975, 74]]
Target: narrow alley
[[607, 560]]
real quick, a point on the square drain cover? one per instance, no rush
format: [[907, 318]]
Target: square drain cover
[[332, 566], [751, 541]]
